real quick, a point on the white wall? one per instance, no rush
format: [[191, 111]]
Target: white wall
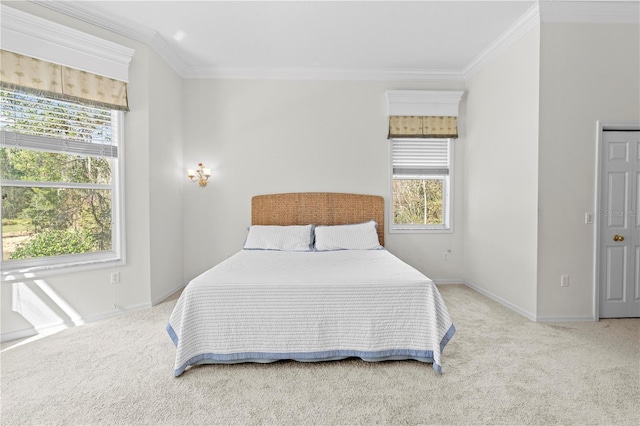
[[589, 72], [501, 176], [84, 296], [292, 136], [525, 166], [258, 137], [166, 179]]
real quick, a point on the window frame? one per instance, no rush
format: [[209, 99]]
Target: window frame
[[447, 202], [116, 256]]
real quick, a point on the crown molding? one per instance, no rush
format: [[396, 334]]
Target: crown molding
[[594, 12], [522, 26], [547, 11], [423, 102], [556, 11], [126, 28], [164, 50], [85, 13], [40, 38], [329, 74]]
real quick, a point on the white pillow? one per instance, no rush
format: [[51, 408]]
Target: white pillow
[[362, 236], [284, 238]]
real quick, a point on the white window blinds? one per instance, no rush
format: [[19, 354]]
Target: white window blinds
[[411, 157], [37, 123]]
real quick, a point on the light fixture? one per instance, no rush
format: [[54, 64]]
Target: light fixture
[[201, 175]]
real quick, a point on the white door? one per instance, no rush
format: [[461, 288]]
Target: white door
[[620, 225]]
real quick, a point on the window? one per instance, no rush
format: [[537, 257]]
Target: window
[[421, 185], [59, 171]]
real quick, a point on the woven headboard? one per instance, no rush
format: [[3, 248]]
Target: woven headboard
[[318, 208]]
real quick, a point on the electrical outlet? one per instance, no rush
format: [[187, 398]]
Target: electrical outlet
[[115, 277], [564, 280]]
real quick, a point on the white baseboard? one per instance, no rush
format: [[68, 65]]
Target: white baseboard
[[50, 328], [18, 334], [528, 315], [566, 319], [44, 330], [167, 294], [445, 281], [502, 301], [119, 310], [59, 326]]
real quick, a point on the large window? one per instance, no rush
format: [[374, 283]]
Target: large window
[[59, 164], [421, 185]]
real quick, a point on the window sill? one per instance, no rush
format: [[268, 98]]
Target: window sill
[[32, 270], [421, 230]]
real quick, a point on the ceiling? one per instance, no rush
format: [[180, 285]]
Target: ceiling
[[251, 38], [344, 35]]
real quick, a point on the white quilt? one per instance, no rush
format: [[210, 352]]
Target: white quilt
[[262, 306]]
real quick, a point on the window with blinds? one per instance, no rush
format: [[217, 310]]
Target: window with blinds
[[59, 165], [38, 123], [420, 185]]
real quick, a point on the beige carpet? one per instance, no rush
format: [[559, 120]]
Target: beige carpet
[[499, 368]]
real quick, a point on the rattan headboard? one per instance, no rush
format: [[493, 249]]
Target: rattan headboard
[[318, 208]]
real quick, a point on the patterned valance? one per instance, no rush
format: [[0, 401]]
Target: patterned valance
[[19, 72], [423, 113], [422, 127]]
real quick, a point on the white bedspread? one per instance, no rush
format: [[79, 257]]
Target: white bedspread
[[263, 306]]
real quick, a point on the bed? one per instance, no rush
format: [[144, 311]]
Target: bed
[[313, 283]]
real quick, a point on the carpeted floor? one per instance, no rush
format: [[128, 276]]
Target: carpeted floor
[[499, 368]]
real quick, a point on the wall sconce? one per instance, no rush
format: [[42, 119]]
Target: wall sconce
[[201, 175]]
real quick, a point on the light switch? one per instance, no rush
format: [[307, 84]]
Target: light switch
[[588, 218]]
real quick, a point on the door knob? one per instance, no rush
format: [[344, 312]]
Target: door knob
[[618, 238]]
